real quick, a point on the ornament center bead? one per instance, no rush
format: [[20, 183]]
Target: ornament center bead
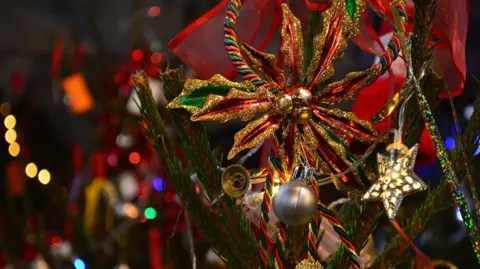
[[297, 105]]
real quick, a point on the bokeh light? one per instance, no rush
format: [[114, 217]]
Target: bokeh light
[[112, 160], [79, 264], [137, 55], [10, 136], [56, 240], [5, 109], [130, 211], [449, 143], [31, 170], [14, 149], [10, 122], [44, 176], [154, 11], [467, 112], [156, 58], [134, 158], [150, 213], [158, 184]]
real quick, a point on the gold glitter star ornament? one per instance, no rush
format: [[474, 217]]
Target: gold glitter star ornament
[[396, 178]]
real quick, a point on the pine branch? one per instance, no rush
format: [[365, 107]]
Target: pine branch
[[397, 251], [223, 231]]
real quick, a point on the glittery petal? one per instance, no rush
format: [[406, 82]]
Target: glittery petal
[[292, 44], [328, 45], [265, 64], [222, 109], [290, 149], [346, 89], [336, 154], [344, 123], [196, 92], [255, 132]]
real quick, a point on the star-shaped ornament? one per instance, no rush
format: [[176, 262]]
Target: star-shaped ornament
[[396, 179]]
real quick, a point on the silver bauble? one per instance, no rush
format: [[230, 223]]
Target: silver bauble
[[295, 203]]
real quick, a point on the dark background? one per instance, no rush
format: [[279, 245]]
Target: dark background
[[111, 30]]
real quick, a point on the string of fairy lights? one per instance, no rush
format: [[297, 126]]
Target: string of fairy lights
[[14, 148]]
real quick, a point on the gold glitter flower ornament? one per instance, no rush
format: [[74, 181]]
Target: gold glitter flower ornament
[[295, 104]]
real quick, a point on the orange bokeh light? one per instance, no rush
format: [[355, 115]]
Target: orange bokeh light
[[134, 157]]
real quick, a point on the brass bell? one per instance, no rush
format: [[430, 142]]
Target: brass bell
[[302, 97], [303, 114], [235, 181], [284, 104]]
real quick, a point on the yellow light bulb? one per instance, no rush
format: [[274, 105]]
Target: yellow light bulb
[[10, 136], [14, 149], [44, 176], [10, 122], [31, 170]]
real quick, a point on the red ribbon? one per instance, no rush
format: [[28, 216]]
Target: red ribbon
[[449, 25], [421, 260], [200, 43]]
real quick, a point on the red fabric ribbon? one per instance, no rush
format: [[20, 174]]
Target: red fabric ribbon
[[200, 43], [373, 98], [449, 25], [421, 260]]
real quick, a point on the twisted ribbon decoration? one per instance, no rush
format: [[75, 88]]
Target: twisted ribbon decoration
[[344, 236]]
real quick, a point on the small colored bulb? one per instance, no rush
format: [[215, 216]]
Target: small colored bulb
[[31, 170], [150, 213], [44, 176], [14, 149], [10, 136], [10, 122]]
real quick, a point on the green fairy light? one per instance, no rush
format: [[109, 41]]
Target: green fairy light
[[150, 213]]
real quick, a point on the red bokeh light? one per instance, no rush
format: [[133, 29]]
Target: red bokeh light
[[56, 240], [156, 58], [154, 11], [137, 55]]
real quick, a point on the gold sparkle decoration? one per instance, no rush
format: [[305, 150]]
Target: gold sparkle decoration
[[235, 181], [289, 102], [396, 179], [306, 264]]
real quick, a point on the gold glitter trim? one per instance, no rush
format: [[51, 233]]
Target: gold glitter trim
[[350, 94], [294, 38], [338, 148], [351, 117], [351, 26], [259, 59], [389, 107], [319, 45], [192, 84], [296, 140], [243, 114], [240, 135], [306, 264]]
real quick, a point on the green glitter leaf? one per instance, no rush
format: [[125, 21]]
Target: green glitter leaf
[[198, 96], [351, 8]]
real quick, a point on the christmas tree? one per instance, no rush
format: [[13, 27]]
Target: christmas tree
[[275, 215]]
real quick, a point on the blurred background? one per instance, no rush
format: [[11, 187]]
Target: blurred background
[[73, 142]]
